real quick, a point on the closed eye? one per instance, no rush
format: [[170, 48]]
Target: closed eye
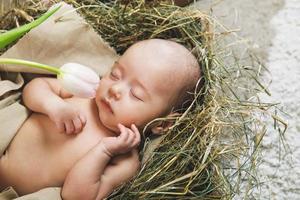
[[135, 96]]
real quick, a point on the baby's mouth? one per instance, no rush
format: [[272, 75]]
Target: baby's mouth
[[106, 104]]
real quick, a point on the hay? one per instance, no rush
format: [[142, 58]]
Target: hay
[[211, 152]]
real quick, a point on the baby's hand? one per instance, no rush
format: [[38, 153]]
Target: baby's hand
[[126, 141], [67, 119]]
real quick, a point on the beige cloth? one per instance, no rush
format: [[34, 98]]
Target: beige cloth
[[64, 37], [52, 193], [8, 194]]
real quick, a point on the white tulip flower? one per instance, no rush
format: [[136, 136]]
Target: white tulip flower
[[77, 79]]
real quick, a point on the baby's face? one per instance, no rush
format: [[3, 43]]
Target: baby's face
[[136, 90]]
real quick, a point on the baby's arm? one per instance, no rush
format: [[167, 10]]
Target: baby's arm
[[45, 95], [92, 179]]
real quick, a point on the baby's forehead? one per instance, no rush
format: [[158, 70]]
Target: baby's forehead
[[163, 79], [165, 59], [166, 62], [158, 79]]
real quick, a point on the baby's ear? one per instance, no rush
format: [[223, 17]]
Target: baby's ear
[[161, 127]]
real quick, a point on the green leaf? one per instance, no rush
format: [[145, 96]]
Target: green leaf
[[12, 35]]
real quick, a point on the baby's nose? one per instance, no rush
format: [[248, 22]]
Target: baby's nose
[[115, 91]]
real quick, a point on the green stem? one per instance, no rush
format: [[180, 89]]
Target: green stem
[[55, 70], [12, 35]]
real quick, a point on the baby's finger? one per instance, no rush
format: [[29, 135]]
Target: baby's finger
[[60, 126], [137, 134], [69, 127], [124, 133], [135, 130], [121, 127], [131, 136], [77, 125], [82, 119]]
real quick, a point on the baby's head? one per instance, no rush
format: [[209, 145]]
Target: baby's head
[[151, 79]]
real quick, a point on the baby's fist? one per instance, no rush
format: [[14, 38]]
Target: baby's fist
[[67, 119], [128, 139]]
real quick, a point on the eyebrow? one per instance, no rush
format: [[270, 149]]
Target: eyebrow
[[122, 68]]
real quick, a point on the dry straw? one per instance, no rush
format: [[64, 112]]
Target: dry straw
[[211, 152]]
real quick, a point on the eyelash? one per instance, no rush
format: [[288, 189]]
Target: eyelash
[[135, 96]]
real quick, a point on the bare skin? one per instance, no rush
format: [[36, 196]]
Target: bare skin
[[89, 147], [41, 155]]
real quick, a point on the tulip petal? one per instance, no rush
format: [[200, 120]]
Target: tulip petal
[[82, 72], [76, 86]]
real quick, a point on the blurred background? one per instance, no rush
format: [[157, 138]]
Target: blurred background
[[271, 29]]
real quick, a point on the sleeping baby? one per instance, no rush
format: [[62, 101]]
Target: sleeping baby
[[89, 146]]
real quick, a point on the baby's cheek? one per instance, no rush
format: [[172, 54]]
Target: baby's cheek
[[128, 118], [127, 121]]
